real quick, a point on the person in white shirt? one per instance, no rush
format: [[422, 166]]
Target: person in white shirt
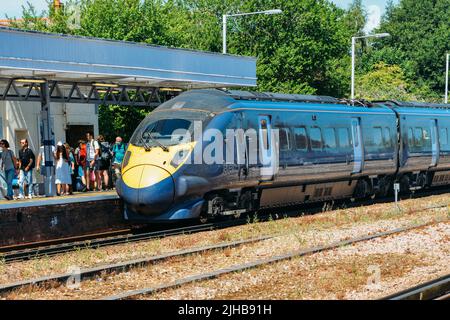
[[40, 162], [92, 153]]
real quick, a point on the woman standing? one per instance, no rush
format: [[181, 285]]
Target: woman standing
[[103, 163], [9, 165], [62, 171], [71, 167]]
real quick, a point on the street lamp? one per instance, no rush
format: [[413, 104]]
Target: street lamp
[[378, 35], [446, 79], [224, 25]]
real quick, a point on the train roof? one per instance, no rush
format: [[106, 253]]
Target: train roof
[[416, 108], [220, 100]]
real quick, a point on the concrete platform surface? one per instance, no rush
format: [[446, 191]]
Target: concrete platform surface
[[77, 197]]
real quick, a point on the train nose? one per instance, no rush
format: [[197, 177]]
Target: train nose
[[148, 189]]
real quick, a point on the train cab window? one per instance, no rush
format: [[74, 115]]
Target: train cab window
[[301, 141], [443, 137], [387, 137], [315, 137], [329, 137], [284, 139], [344, 138]]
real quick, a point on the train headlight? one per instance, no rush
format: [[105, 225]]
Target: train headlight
[[179, 157]]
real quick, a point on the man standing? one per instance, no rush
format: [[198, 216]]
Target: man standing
[[27, 163], [118, 152], [92, 153]]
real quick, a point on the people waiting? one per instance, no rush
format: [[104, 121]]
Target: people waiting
[[62, 171], [103, 163], [80, 159], [92, 153], [8, 166], [27, 163], [118, 152], [71, 163]]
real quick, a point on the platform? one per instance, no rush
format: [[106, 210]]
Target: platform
[[77, 197], [42, 219]]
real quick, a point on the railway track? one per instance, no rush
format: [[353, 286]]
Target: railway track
[[94, 243], [437, 289], [256, 264], [128, 265], [125, 266], [22, 252]]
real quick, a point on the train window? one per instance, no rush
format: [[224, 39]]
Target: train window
[[264, 133], [410, 137], [166, 127], [418, 137], [284, 139], [426, 139], [443, 137], [377, 137], [301, 142], [387, 137], [343, 136], [316, 139], [329, 137]]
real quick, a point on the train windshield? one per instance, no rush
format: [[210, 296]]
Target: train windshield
[[163, 129]]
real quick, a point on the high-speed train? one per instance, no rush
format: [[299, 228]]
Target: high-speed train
[[215, 152]]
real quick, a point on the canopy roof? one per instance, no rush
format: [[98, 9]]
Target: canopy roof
[[81, 59]]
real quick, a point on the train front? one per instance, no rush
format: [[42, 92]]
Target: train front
[[156, 158]]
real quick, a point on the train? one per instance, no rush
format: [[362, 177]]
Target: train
[[277, 150]]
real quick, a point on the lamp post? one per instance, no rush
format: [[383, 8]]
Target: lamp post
[[226, 16], [446, 79], [379, 35]]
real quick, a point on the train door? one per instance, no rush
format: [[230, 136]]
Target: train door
[[241, 149], [268, 149], [435, 148], [358, 150]]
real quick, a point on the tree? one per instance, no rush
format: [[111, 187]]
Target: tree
[[384, 82], [420, 33]]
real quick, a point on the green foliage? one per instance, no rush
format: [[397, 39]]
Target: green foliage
[[420, 34], [383, 82], [121, 121]]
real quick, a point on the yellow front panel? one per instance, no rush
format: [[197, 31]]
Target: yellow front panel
[[140, 171]]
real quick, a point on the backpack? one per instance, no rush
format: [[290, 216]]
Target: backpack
[[82, 155], [106, 152]]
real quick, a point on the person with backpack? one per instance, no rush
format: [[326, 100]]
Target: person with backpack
[[9, 166], [92, 154], [103, 163], [27, 162], [118, 153]]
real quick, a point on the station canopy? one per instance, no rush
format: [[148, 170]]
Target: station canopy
[[74, 59]]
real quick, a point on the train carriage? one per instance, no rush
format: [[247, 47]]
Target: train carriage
[[274, 150]]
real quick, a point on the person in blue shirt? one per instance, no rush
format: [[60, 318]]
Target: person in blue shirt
[[118, 152]]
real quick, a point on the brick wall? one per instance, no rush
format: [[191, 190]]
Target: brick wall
[[21, 225]]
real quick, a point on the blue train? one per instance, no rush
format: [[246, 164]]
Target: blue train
[[274, 150]]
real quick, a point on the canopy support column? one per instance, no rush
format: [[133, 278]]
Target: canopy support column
[[48, 137]]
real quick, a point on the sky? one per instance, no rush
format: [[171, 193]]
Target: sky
[[375, 9]]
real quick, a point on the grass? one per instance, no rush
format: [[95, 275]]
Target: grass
[[318, 278]]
